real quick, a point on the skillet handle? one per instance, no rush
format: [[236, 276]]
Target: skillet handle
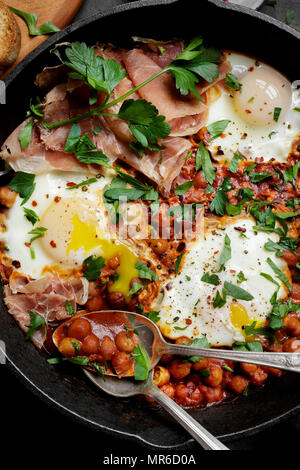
[[198, 432]]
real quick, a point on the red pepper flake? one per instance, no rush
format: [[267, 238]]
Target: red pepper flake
[[16, 264], [188, 321], [27, 244], [248, 111], [34, 203], [250, 69], [53, 244], [57, 198], [240, 229], [71, 184]]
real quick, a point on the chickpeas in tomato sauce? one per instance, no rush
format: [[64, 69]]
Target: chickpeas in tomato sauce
[[108, 340]]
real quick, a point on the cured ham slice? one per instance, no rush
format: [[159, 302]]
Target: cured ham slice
[[186, 114], [45, 297], [161, 91]]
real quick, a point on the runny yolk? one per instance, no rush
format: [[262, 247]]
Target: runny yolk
[[239, 316], [86, 236]]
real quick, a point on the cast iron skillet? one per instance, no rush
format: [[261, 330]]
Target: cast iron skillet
[[65, 387]]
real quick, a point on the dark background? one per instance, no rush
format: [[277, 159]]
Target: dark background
[[37, 435]]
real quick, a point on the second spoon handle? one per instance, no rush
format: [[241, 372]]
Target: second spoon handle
[[285, 361], [198, 432]]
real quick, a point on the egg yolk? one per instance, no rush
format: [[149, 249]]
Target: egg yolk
[[239, 316], [75, 231], [262, 91]]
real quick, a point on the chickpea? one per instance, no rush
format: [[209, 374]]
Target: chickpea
[[272, 371], [238, 384], [121, 362], [124, 342], [90, 345], [290, 257], [248, 368], [160, 246], [259, 377], [161, 376], [199, 181], [180, 369], [107, 348], [295, 292], [291, 345], [165, 358], [169, 390], [80, 328], [67, 347], [113, 262], [117, 300], [201, 365], [95, 303], [274, 347], [212, 394], [215, 376], [292, 325], [182, 393], [182, 340], [7, 196], [135, 279]]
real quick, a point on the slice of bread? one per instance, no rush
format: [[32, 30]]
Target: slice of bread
[[10, 37]]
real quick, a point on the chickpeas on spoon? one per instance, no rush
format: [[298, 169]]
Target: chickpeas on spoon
[[110, 343]]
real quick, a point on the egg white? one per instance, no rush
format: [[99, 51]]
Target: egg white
[[48, 187], [271, 140], [187, 298]]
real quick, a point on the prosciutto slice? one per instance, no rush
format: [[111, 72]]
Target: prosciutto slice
[[46, 297]]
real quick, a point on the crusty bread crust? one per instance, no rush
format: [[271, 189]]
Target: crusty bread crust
[[10, 37]]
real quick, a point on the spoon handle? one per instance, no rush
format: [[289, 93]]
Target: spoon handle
[[285, 361], [198, 432]]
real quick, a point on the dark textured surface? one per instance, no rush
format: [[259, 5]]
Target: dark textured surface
[[27, 408]]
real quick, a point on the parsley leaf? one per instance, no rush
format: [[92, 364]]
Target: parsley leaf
[[203, 161], [136, 287], [226, 253], [217, 128], [31, 215], [153, 316], [25, 135], [145, 272], [237, 292], [211, 279], [97, 73], [70, 310], [92, 267], [233, 167], [142, 362], [183, 188], [38, 232], [219, 300], [83, 183], [279, 274], [277, 112], [198, 343], [31, 20], [233, 82], [36, 322], [178, 262], [258, 177]]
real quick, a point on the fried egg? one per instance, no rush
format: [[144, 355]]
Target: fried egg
[[186, 303], [77, 227], [253, 129]]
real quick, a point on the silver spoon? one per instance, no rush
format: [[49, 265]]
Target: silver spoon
[[155, 345], [125, 388]]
